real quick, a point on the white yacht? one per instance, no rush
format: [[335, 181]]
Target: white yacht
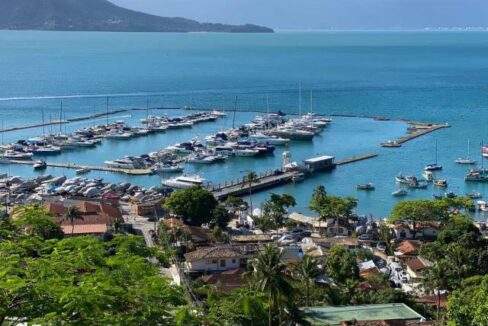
[[183, 182], [120, 164], [167, 168], [272, 140]]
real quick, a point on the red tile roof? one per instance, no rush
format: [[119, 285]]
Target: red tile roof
[[409, 247], [85, 229], [416, 264], [213, 252]]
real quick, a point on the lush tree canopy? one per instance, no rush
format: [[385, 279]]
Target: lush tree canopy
[[331, 206], [81, 280], [195, 204]]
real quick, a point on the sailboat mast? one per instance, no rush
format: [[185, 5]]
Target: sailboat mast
[[311, 101], [43, 124], [300, 99], [235, 109], [61, 117], [267, 114], [107, 111]]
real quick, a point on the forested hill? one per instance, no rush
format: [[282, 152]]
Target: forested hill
[[100, 15]]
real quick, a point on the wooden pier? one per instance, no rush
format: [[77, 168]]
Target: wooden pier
[[241, 187], [93, 168]]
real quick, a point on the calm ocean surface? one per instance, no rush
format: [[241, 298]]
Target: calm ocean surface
[[436, 77]]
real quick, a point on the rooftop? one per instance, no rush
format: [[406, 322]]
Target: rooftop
[[319, 159], [335, 315], [213, 252]]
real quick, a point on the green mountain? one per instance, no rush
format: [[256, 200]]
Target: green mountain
[[100, 15]]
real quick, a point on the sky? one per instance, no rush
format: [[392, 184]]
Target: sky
[[324, 14]]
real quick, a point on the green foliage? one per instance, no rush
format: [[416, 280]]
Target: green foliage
[[33, 220], [307, 272], [331, 206], [275, 208], [195, 204], [341, 265], [82, 281], [220, 217], [460, 249], [469, 304]]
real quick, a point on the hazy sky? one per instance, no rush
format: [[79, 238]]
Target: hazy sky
[[320, 14]]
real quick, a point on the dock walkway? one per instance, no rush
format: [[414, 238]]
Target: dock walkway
[[241, 187], [413, 135], [94, 168]]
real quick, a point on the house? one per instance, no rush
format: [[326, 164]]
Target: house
[[368, 269], [251, 238], [214, 259], [433, 301], [401, 231], [416, 267], [424, 230], [348, 315], [96, 217], [348, 243], [408, 249], [225, 281]]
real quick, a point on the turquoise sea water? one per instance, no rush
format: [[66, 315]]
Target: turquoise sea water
[[437, 77]]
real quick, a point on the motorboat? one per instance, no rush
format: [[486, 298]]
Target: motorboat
[[428, 176], [465, 160], [183, 182], [477, 175], [40, 165], [367, 186], [400, 193], [13, 155], [201, 158], [405, 179], [83, 171], [167, 168], [293, 133], [246, 152], [440, 183], [474, 195], [46, 150], [272, 140], [299, 177], [125, 163], [450, 195], [119, 135]]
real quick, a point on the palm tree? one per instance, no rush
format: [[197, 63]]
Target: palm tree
[[250, 178], [73, 214], [307, 271], [436, 279], [268, 276]]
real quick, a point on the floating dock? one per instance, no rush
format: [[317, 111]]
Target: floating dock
[[93, 168]]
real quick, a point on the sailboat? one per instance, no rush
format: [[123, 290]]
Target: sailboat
[[433, 166], [466, 160], [481, 174]]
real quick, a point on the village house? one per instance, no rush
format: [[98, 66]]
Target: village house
[[416, 267], [407, 249], [215, 259], [424, 230], [97, 217]]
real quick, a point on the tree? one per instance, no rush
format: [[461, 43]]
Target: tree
[[220, 217], [194, 204], [83, 281], [268, 276], [436, 280], [469, 304], [72, 214], [415, 211], [250, 178], [276, 207], [326, 206], [307, 272], [342, 265], [35, 221]]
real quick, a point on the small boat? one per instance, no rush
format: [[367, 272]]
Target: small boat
[[450, 195], [40, 165], [466, 160], [17, 155], [367, 186], [482, 205], [83, 171], [474, 195], [400, 193], [299, 177], [47, 150], [477, 175], [167, 168], [440, 183], [433, 167], [405, 180], [391, 143], [246, 152], [428, 176]]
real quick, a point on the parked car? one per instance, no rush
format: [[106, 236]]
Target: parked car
[[287, 239]]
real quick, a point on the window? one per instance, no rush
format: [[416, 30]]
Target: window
[[233, 261], [222, 263], [214, 261]]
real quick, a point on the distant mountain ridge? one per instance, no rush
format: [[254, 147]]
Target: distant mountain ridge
[[100, 15]]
